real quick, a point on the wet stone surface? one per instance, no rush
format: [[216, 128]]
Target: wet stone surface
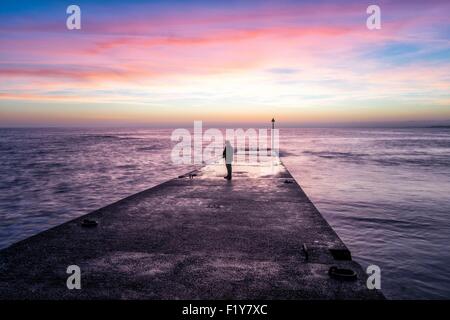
[[198, 237]]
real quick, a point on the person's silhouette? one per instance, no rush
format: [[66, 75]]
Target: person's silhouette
[[228, 156]]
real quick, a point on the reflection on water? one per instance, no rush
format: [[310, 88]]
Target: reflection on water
[[49, 176], [385, 191]]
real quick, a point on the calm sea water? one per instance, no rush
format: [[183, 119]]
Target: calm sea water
[[385, 191]]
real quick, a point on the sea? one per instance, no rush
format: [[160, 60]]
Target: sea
[[385, 191]]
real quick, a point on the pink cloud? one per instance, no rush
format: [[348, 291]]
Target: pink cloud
[[323, 41]]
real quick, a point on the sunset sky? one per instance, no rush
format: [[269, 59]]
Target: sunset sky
[[169, 62]]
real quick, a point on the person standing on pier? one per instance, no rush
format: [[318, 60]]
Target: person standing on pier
[[228, 156]]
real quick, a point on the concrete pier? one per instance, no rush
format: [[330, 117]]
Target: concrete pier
[[194, 237]]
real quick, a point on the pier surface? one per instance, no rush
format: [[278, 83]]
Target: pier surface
[[194, 237]]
